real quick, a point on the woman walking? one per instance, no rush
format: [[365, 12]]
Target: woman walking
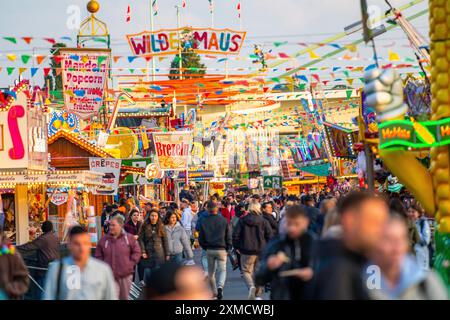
[[177, 238], [153, 241]]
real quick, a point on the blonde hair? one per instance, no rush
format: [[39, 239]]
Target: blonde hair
[[332, 218], [254, 207]]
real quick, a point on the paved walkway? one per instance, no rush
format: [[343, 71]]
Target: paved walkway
[[235, 288]]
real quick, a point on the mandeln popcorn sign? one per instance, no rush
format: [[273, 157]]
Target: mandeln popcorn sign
[[84, 75]]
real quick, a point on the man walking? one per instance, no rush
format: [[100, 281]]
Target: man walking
[[46, 248], [79, 276], [215, 238], [249, 239], [121, 252]]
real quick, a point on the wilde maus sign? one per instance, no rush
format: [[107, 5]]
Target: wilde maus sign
[[204, 40]]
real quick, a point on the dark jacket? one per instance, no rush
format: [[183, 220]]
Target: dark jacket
[[121, 253], [300, 253], [314, 220], [46, 247], [272, 222], [131, 228], [215, 233], [340, 277], [153, 243], [251, 234], [185, 194], [200, 216]]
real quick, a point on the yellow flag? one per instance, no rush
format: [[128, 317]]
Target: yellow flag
[[11, 57], [351, 47], [85, 59], [313, 55], [393, 56], [161, 59], [22, 70], [350, 81], [144, 71]]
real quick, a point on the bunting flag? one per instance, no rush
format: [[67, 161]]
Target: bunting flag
[[27, 39], [313, 55], [128, 13], [11, 39], [25, 58], [239, 10], [46, 71], [183, 3], [50, 40], [155, 7], [393, 56], [33, 71], [10, 70], [22, 70], [39, 59], [11, 57]]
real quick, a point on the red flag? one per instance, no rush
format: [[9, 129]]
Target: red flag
[[46, 71], [239, 9], [128, 13], [27, 39], [183, 3], [51, 40]]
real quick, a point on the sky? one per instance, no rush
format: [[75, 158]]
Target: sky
[[266, 21]]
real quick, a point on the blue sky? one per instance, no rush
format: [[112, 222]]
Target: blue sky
[[265, 21]]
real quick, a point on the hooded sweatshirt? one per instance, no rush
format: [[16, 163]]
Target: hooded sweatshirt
[[414, 284], [251, 234]]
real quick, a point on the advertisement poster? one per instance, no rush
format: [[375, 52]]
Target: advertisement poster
[[84, 76], [199, 40], [172, 150], [111, 174]]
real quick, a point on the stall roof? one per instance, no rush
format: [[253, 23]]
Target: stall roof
[[80, 142]]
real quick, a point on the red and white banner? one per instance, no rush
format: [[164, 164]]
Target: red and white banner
[[172, 150], [84, 76]]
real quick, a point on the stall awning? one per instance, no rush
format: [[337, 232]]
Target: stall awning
[[54, 178]]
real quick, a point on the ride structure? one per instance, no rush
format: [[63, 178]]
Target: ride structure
[[399, 136]]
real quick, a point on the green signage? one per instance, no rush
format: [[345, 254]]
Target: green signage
[[136, 179], [404, 133], [272, 182]]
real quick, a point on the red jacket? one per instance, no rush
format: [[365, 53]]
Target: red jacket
[[121, 253], [228, 214]]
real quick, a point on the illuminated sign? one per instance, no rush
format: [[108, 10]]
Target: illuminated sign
[[169, 41], [84, 78], [23, 135], [404, 133]]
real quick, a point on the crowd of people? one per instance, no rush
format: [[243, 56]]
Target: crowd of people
[[357, 245]]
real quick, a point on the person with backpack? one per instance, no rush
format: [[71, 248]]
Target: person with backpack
[[250, 237], [120, 250], [89, 278], [422, 247]]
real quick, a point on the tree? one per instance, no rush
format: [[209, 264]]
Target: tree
[[55, 80], [191, 67]]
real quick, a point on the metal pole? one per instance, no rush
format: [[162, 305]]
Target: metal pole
[[212, 13], [152, 28], [180, 61]]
